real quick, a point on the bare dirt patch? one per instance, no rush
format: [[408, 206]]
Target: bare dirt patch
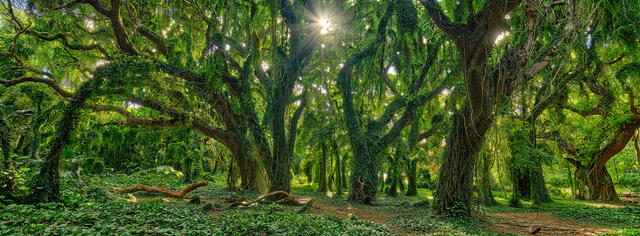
[[520, 223], [361, 214]]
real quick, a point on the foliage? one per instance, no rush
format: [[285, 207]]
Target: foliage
[[627, 217], [631, 180], [111, 217], [435, 225], [274, 219]]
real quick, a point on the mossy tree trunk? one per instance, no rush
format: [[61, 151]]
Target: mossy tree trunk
[[412, 166], [5, 144], [337, 170], [47, 181], [322, 169], [6, 181], [393, 174], [301, 43]]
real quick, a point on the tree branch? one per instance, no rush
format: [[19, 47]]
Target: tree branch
[[59, 90], [452, 30]]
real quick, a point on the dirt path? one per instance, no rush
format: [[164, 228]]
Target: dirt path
[[362, 214], [520, 223]]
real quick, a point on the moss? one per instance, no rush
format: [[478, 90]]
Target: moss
[[406, 15]]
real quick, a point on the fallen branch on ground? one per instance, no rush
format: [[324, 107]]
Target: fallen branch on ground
[[163, 190], [282, 198]]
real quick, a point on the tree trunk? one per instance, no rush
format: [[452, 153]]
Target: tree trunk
[[330, 178], [412, 166], [364, 176], [454, 191], [393, 180], [343, 173], [636, 147], [599, 183], [6, 180], [338, 171], [573, 189], [322, 182], [35, 143], [47, 181], [279, 174], [5, 144], [485, 181], [538, 191]]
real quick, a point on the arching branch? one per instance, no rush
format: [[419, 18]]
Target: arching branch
[[49, 82], [66, 43]]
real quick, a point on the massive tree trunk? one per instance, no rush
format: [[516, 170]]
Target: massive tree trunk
[[595, 175], [364, 175], [599, 183], [47, 181], [279, 174], [251, 173], [455, 186], [601, 186]]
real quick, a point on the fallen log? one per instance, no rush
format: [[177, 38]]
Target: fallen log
[[280, 197], [163, 190]]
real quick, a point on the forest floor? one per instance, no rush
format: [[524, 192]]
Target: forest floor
[[150, 213], [524, 222]]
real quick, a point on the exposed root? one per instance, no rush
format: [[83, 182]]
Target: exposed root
[[163, 190], [281, 197]]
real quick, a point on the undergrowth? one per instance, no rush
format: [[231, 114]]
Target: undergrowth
[[627, 218]]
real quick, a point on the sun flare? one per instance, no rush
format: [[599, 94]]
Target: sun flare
[[326, 24]]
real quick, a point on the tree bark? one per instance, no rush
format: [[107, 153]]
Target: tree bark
[[392, 175], [322, 182], [455, 187], [539, 191], [599, 183], [636, 147], [338, 172], [412, 188]]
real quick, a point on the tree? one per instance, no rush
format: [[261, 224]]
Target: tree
[[485, 86], [205, 79], [615, 122], [367, 136]]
